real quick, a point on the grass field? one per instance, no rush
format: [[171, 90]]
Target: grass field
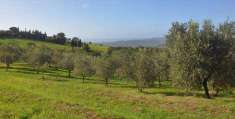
[[23, 43], [25, 95]]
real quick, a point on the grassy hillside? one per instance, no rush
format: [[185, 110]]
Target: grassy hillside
[[24, 43], [24, 95], [98, 47]]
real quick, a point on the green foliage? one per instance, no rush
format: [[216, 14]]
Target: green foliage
[[38, 57], [84, 66], [86, 47], [76, 42], [146, 71], [196, 55], [68, 62], [105, 68], [125, 61], [56, 57], [9, 53], [162, 65]]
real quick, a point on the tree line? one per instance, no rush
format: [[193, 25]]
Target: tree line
[[36, 35], [195, 57]]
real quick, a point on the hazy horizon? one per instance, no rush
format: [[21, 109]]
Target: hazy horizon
[[107, 20]]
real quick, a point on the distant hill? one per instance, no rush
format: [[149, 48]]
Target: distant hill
[[151, 42]]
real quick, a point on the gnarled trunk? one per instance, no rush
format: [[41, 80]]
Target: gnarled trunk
[[106, 81], [159, 82], [7, 63], [205, 86], [83, 78], [7, 66], [139, 85], [69, 73], [140, 90]]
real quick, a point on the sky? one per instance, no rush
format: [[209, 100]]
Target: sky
[[108, 20]]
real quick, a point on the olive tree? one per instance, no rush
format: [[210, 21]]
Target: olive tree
[[57, 56], [162, 65], [9, 53], [196, 55], [145, 71], [84, 66], [68, 62], [124, 60], [105, 68], [39, 57]]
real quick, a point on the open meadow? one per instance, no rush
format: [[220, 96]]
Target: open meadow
[[25, 95]]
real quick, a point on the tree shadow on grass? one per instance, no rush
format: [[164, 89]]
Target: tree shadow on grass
[[60, 76], [173, 93], [92, 81], [54, 75], [229, 100], [55, 79], [25, 72], [2, 67], [119, 85], [110, 84]]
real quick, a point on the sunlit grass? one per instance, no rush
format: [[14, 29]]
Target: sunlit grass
[[24, 42], [24, 94], [98, 47]]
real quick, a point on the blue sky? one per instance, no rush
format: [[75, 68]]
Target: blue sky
[[103, 20]]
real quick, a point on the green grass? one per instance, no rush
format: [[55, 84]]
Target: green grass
[[98, 47], [24, 42], [24, 94]]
